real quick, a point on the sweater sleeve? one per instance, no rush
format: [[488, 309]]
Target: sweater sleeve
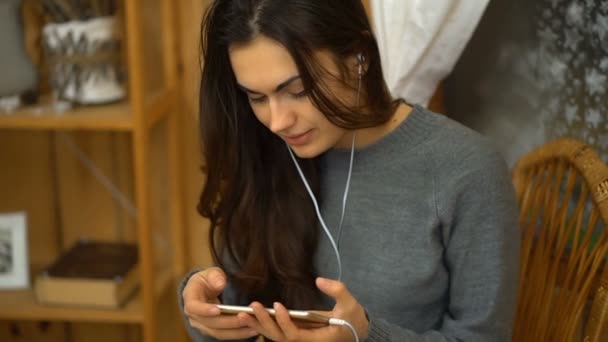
[[478, 213], [229, 296]]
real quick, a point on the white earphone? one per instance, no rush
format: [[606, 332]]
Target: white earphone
[[361, 60]]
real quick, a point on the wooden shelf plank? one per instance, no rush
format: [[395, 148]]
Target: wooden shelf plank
[[164, 279], [159, 104], [22, 305], [114, 117]]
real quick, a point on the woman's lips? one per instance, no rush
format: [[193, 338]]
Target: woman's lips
[[299, 139]]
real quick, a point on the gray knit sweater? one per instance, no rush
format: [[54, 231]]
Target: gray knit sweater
[[429, 243]]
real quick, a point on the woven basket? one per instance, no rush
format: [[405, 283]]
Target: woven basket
[[84, 60]]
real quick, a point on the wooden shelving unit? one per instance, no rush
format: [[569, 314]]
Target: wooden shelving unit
[[115, 117], [151, 107], [22, 305]]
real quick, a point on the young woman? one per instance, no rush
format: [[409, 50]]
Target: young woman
[[325, 193]]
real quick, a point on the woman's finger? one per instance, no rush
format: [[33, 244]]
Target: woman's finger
[[226, 334], [266, 323], [288, 328], [218, 322], [205, 285], [201, 309], [301, 324], [335, 289], [250, 321]]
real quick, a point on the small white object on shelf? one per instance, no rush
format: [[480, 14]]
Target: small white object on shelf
[[9, 104], [14, 265]]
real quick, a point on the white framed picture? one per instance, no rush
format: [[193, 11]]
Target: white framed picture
[[14, 264]]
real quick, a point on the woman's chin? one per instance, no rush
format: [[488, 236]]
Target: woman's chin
[[306, 151]]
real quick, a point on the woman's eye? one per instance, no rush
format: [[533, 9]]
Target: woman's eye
[[300, 95], [257, 99]]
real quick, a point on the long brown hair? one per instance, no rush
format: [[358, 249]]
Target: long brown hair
[[263, 226]]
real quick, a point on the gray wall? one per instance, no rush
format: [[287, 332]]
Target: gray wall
[[535, 70]]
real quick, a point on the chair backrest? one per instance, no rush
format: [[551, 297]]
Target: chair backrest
[[562, 189]]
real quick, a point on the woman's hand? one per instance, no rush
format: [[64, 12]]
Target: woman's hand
[[284, 329], [200, 297]]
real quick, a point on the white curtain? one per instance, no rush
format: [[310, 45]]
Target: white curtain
[[421, 40]]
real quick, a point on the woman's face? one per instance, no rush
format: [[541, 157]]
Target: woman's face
[[268, 75]]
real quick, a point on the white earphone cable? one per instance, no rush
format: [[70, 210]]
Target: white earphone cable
[[335, 321], [346, 189], [338, 321], [316, 205]]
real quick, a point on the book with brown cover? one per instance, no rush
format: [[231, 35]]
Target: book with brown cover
[[90, 273]]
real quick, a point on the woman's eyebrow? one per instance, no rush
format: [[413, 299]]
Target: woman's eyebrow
[[280, 87]]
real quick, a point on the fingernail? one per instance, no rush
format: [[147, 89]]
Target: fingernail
[[275, 305], [214, 311], [253, 333]]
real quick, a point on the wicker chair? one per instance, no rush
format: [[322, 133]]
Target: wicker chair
[[562, 189]]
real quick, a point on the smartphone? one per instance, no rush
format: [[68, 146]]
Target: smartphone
[[307, 316]]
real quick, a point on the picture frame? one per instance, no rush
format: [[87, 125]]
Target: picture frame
[[14, 261]]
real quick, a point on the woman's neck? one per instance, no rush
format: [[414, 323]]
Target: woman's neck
[[370, 135]]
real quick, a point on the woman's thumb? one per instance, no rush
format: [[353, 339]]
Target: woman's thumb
[[217, 278], [214, 280], [332, 288]]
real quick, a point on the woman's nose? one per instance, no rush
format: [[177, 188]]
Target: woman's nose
[[281, 117]]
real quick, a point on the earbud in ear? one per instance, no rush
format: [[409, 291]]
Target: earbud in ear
[[360, 58], [361, 61]]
